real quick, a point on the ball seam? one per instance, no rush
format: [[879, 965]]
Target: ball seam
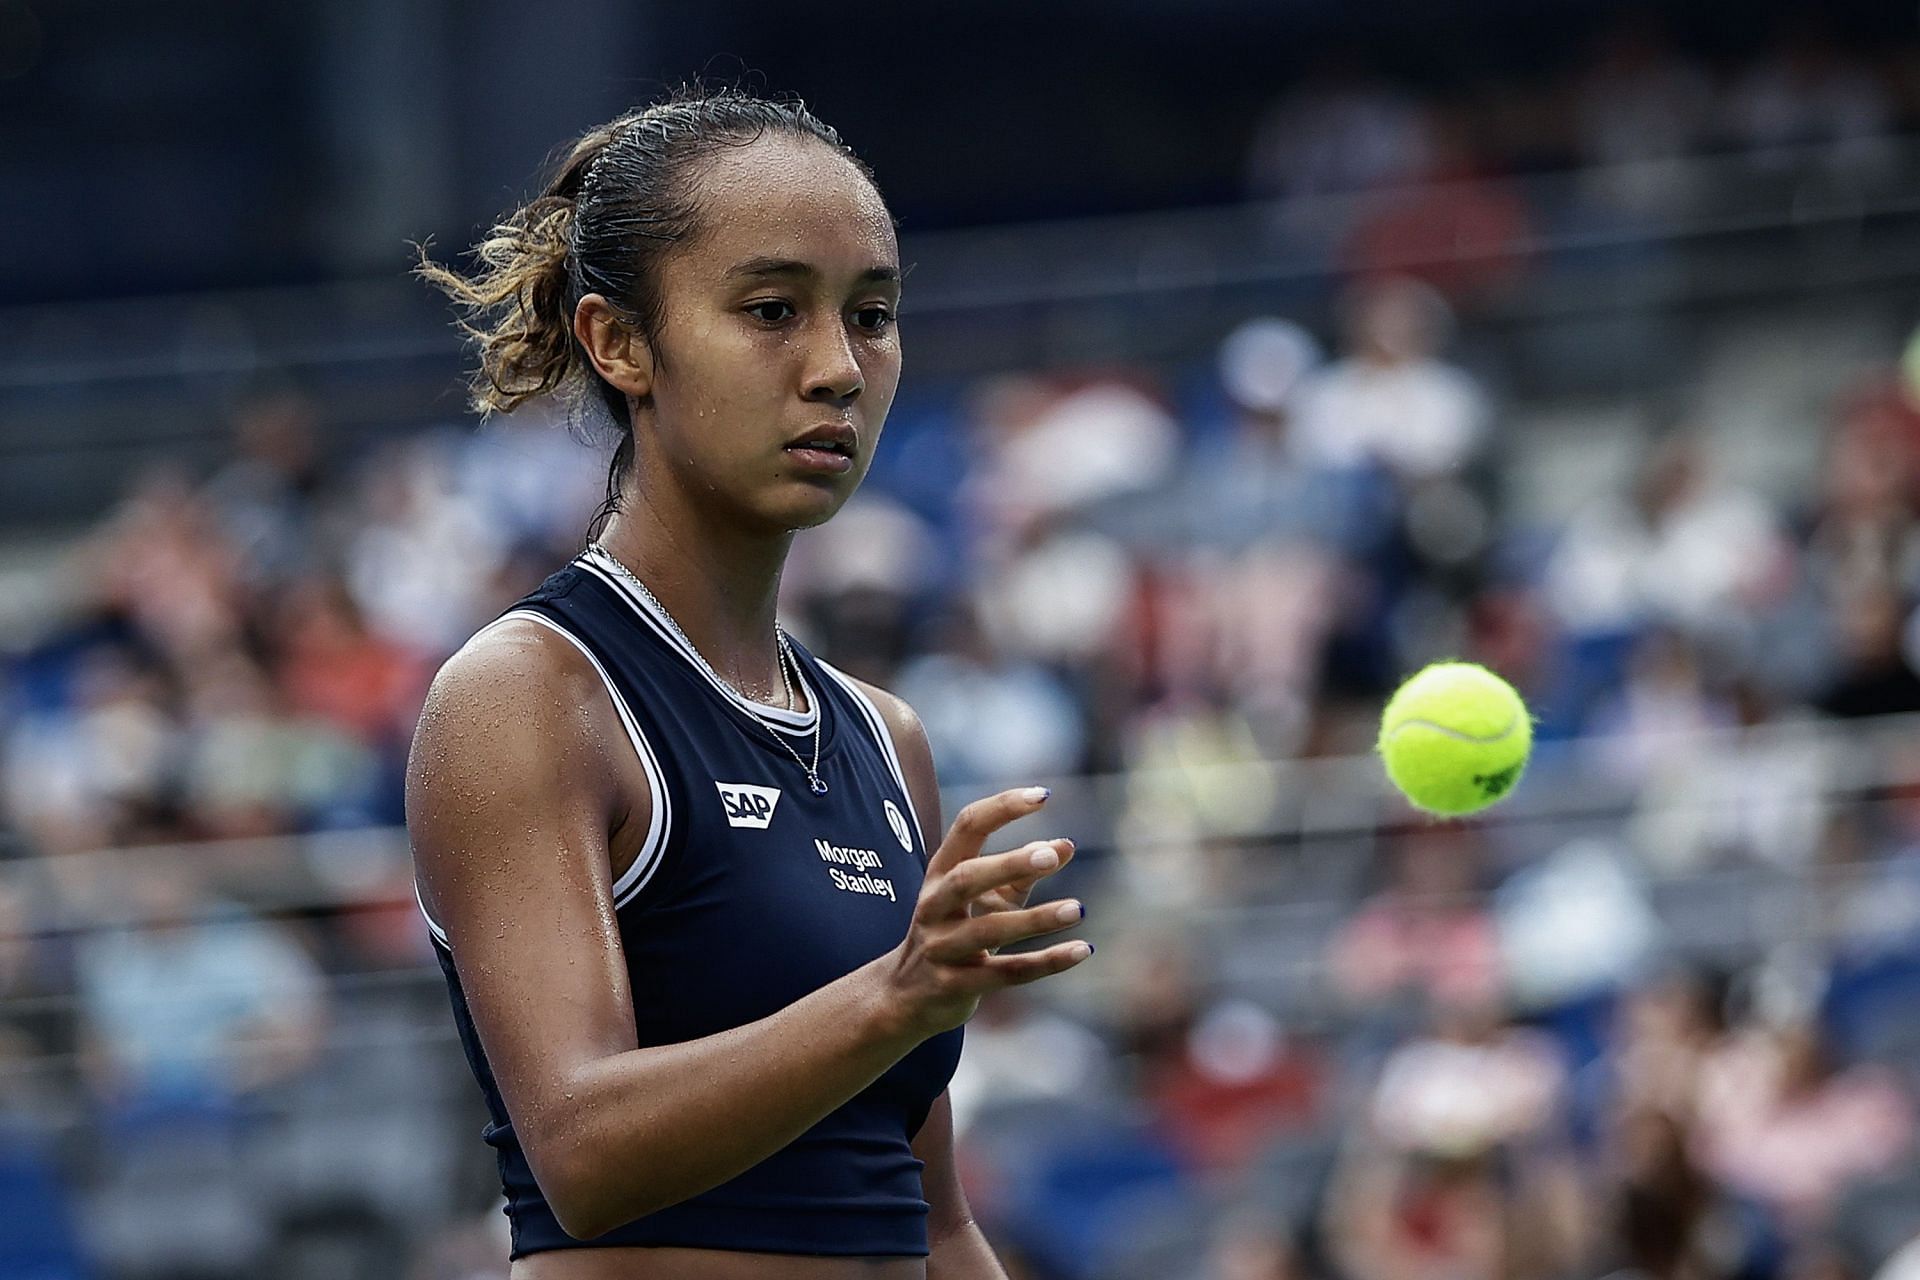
[[1458, 736]]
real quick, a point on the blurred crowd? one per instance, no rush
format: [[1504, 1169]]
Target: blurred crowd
[[1670, 1035], [1375, 174], [1499, 1056]]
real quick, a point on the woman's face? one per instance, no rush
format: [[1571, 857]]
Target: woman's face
[[778, 329]]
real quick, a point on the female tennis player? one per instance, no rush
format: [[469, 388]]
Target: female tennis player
[[708, 954]]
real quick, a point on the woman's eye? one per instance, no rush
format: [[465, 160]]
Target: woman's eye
[[873, 319], [773, 311]]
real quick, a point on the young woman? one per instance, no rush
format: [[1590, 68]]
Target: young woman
[[705, 967]]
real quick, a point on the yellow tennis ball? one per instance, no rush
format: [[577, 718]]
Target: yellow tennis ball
[[1455, 738]]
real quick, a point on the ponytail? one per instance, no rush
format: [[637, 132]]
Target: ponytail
[[517, 309]]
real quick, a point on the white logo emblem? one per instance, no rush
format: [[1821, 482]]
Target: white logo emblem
[[898, 821], [748, 806]]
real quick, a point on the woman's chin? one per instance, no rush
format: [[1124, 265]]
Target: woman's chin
[[805, 506]]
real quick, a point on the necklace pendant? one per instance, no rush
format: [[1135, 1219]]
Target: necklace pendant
[[818, 785]]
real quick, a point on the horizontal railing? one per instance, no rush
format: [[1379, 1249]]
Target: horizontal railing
[[1273, 948], [1328, 799]]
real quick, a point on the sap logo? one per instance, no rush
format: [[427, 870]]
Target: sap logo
[[748, 806]]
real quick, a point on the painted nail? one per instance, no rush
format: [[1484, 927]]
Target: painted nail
[[1071, 911], [1038, 794], [1045, 857]]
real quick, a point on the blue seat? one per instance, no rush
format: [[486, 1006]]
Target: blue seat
[[38, 1240]]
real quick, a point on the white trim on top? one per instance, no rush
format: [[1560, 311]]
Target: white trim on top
[[659, 824], [797, 723], [878, 725]]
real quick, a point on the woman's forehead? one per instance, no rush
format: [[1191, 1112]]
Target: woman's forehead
[[795, 199]]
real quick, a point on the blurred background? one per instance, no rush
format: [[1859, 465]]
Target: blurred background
[[1257, 354]]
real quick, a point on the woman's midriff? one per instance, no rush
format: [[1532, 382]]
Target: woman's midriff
[[709, 1264]]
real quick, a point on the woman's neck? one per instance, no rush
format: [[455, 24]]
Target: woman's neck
[[721, 586]]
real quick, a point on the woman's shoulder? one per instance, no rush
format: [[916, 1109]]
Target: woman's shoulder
[[900, 719], [517, 654], [517, 693], [515, 728]]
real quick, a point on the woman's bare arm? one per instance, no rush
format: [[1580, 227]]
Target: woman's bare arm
[[517, 779]]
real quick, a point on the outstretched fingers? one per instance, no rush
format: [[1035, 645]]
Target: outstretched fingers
[[1031, 966], [947, 896], [979, 820], [962, 941]]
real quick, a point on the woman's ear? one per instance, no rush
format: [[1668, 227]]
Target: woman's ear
[[622, 356]]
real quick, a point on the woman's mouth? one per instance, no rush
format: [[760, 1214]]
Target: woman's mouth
[[826, 451], [826, 461]]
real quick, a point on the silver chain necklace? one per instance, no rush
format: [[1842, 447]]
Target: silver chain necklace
[[815, 782]]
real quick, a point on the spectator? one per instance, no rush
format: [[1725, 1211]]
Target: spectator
[[85, 775], [1424, 936], [192, 1005], [1197, 781], [1017, 1049], [856, 581], [1641, 113], [250, 769], [164, 563], [1247, 548], [1809, 108], [1342, 132], [1253, 1246], [1662, 717], [1685, 548], [1866, 532], [1450, 220], [1574, 926], [1054, 451], [1781, 1121], [1240, 1083], [989, 717], [333, 667], [1668, 1219], [421, 555], [1666, 1032], [1390, 400], [1460, 1168], [266, 498], [1875, 675], [1343, 129], [1059, 595], [1475, 1082]]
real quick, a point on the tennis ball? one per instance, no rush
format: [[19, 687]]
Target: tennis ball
[[1455, 738]]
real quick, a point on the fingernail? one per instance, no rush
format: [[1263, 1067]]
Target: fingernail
[[1038, 794], [1071, 911], [1045, 857], [1088, 951]]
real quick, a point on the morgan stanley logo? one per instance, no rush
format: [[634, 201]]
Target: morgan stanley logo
[[748, 806]]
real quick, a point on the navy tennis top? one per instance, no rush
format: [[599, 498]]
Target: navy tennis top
[[749, 892]]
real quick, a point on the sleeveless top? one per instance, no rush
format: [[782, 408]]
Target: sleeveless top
[[749, 892]]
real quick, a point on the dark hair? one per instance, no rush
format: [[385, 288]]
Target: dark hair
[[615, 205]]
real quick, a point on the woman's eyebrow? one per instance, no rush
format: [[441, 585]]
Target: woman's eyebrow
[[760, 268]]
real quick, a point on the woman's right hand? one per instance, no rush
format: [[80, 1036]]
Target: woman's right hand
[[946, 963]]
